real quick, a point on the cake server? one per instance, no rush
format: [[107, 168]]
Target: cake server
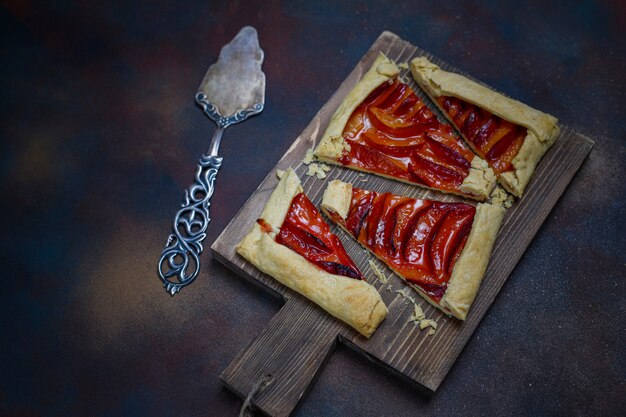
[[232, 90]]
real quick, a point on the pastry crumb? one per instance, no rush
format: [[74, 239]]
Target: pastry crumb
[[419, 317], [428, 323], [405, 294], [402, 292], [500, 197], [319, 170], [418, 314], [280, 173], [308, 157], [381, 277], [403, 65]]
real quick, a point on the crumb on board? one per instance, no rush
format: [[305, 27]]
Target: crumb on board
[[402, 292], [319, 170], [405, 294], [418, 314], [280, 173], [381, 277], [500, 197], [419, 317], [428, 323], [308, 157], [403, 65]]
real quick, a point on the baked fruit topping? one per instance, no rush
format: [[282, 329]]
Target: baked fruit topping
[[495, 140], [305, 232], [393, 133], [419, 239]]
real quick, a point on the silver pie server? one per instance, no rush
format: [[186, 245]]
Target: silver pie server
[[232, 90]]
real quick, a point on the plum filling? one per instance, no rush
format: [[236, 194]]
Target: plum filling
[[419, 239], [305, 232], [495, 140], [393, 133]]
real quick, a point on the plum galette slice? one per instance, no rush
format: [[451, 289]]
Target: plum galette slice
[[511, 136], [440, 249], [384, 128], [292, 242]]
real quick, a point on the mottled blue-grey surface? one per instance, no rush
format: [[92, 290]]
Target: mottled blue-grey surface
[[100, 135]]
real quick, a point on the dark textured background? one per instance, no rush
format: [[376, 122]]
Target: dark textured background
[[100, 136]]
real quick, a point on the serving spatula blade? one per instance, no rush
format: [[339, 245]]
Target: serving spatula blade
[[235, 84]]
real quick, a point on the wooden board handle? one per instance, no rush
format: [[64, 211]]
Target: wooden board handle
[[292, 349]]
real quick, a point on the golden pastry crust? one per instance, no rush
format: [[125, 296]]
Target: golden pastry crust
[[468, 271], [525, 162], [351, 300], [480, 181], [338, 195], [542, 128], [478, 184], [332, 144], [335, 195]]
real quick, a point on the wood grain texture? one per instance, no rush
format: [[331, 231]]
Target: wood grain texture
[[299, 339]]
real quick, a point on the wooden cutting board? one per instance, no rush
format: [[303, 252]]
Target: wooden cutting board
[[299, 339]]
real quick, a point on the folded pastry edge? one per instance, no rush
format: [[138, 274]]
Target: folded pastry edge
[[542, 128], [353, 301]]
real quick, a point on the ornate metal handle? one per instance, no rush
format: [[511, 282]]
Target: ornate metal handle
[[179, 264], [180, 261]]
